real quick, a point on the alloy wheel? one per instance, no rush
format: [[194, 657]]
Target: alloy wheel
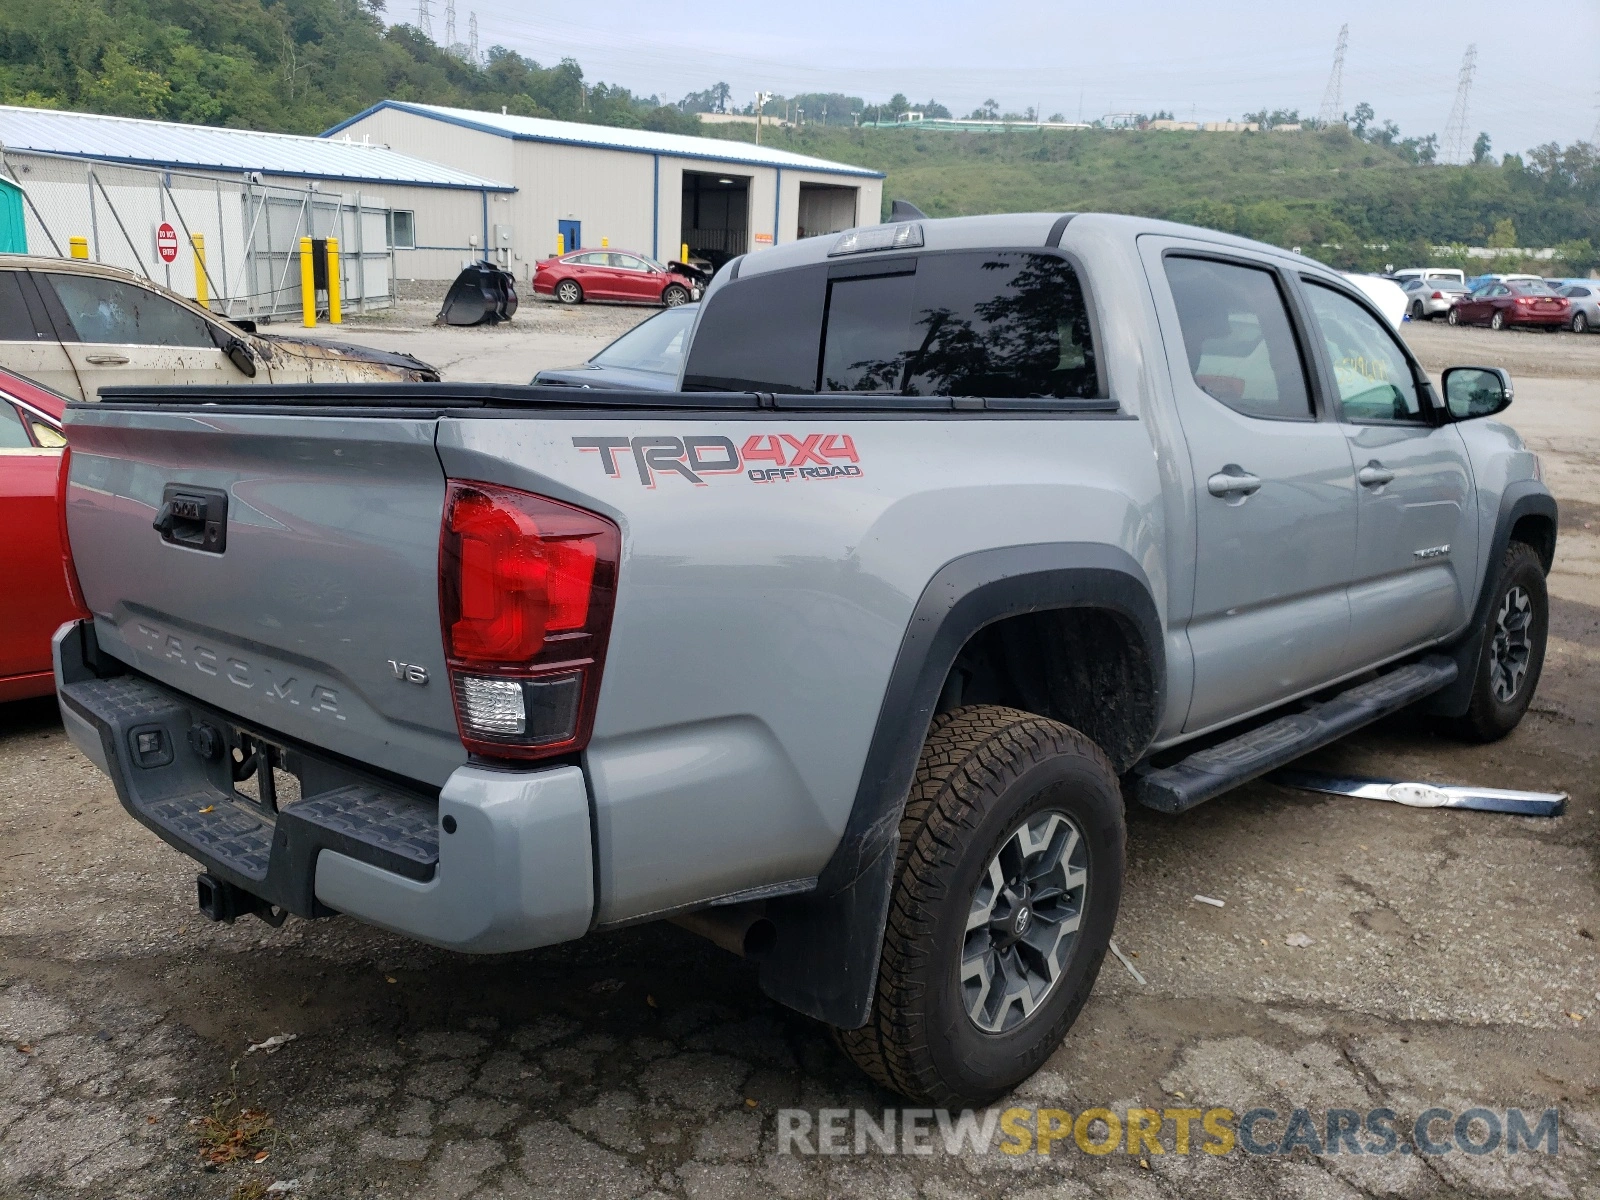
[[1512, 648], [1023, 921]]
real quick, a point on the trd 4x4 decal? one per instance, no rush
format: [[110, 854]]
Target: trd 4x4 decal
[[764, 457]]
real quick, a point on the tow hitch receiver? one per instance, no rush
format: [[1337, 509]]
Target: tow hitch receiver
[[222, 901]]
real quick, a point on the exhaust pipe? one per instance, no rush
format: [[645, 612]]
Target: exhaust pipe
[[742, 929]]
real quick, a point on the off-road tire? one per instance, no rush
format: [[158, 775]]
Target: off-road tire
[[983, 770], [1489, 717], [569, 291], [674, 295]]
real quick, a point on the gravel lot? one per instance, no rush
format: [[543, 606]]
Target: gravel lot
[[1452, 962]]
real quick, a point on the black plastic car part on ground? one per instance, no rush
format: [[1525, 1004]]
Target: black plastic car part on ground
[[481, 294]]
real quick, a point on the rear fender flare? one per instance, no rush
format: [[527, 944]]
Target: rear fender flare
[[825, 961]]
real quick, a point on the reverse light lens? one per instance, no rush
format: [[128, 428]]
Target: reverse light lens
[[907, 235], [526, 586]]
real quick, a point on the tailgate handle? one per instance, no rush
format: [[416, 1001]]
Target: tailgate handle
[[196, 518]]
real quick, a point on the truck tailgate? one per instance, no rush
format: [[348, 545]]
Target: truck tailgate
[[315, 613]]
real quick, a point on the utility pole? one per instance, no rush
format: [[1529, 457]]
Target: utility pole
[[1455, 129], [425, 19], [1333, 95], [761, 100]]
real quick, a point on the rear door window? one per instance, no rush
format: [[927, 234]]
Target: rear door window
[[967, 323], [108, 311], [1238, 339], [19, 320]]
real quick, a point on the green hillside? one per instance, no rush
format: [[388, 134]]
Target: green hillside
[[1327, 191], [303, 65]]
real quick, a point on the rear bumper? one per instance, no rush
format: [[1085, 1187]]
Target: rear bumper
[[497, 861]]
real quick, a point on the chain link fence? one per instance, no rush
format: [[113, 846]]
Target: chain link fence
[[250, 231]]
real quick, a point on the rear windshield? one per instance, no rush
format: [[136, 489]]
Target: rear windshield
[[655, 346], [968, 323]]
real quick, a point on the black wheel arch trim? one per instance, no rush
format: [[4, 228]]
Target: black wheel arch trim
[[825, 961], [1525, 498]]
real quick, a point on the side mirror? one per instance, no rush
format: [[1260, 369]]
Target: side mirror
[[239, 355], [1471, 392]]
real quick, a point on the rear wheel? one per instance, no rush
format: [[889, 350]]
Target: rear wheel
[[675, 295], [1498, 321], [1580, 322], [1009, 877], [568, 292], [1513, 648]]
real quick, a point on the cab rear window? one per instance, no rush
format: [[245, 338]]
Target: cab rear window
[[968, 323]]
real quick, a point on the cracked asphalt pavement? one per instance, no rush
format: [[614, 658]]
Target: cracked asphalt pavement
[[1450, 961]]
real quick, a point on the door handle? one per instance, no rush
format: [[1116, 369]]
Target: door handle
[[1374, 475], [1233, 481], [107, 360]]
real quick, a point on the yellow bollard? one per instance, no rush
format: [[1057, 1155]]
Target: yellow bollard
[[605, 241], [684, 256], [80, 247], [561, 244], [335, 313], [308, 285], [202, 296]]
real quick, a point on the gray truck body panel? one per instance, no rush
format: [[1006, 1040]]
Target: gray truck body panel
[[768, 674]]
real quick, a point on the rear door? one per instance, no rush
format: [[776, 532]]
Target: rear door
[[322, 592], [29, 344], [596, 276], [1417, 532], [33, 601], [636, 278], [118, 333], [1274, 492]]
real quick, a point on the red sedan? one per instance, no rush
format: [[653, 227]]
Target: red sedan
[[38, 595], [612, 275], [1500, 304]]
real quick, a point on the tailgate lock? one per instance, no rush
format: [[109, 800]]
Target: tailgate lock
[[193, 517]]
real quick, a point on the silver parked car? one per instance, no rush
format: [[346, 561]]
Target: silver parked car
[[1429, 299], [1585, 298]]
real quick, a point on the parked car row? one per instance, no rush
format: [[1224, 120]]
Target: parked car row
[[1500, 301]]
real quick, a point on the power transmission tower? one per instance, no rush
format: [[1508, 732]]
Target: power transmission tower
[[425, 19], [1456, 147], [472, 38], [450, 24], [1333, 96]]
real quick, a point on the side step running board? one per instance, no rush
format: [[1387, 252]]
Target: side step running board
[[1208, 773]]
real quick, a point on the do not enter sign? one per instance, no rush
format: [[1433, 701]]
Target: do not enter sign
[[167, 242]]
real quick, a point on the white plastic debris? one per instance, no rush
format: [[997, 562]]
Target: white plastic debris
[[1132, 970], [273, 1044], [1298, 940], [1211, 900], [278, 1186]]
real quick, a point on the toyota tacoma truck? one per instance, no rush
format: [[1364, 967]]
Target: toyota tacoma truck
[[845, 654]]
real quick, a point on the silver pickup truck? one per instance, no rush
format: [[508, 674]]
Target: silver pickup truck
[[845, 654]]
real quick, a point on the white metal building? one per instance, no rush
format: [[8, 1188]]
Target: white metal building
[[579, 184], [114, 181]]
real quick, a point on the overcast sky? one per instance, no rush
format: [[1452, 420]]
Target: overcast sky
[[1538, 73]]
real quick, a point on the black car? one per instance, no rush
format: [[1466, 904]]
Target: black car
[[647, 357]]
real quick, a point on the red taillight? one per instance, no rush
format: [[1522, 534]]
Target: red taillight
[[1438, 296], [74, 588], [526, 587]]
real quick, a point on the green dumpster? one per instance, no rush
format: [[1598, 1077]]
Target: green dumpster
[[13, 229]]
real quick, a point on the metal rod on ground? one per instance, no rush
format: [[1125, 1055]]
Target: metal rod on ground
[[1426, 795], [117, 217]]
